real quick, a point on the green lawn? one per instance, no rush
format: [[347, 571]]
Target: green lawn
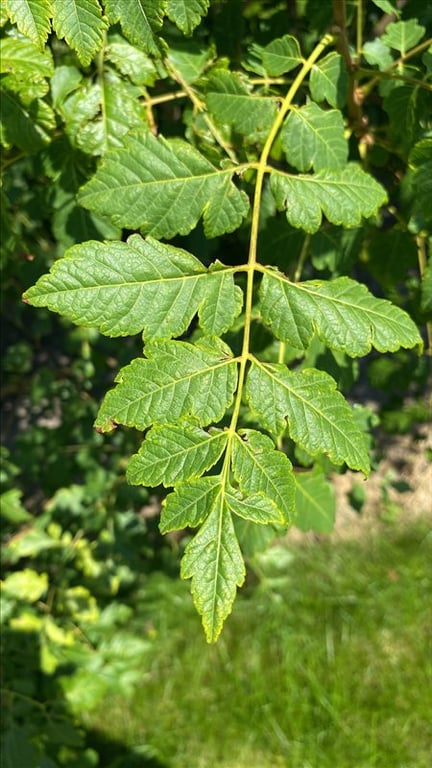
[[326, 662]]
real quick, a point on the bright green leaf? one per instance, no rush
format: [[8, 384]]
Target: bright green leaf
[[231, 101], [255, 507], [314, 138], [189, 504], [387, 6], [81, 24], [140, 20], [281, 55], [32, 17], [329, 80], [186, 14], [377, 53], [317, 416], [131, 61], [341, 312], [25, 59], [342, 196], [175, 380], [260, 469], [315, 502], [164, 187], [157, 291], [26, 585], [175, 453], [214, 562], [403, 35]]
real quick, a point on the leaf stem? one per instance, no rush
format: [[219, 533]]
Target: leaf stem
[[262, 169], [421, 242], [401, 60]]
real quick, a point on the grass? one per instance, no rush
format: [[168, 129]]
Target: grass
[[326, 662]]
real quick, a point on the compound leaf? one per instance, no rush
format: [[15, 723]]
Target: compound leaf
[[187, 14], [176, 379], [319, 418], [81, 24], [140, 20], [164, 187], [314, 138], [341, 312], [315, 502], [259, 468], [140, 285], [175, 453], [343, 196], [231, 101], [32, 17], [214, 562]]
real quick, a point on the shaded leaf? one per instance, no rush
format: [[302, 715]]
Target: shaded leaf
[[214, 562], [341, 312], [27, 126], [259, 468], [315, 502], [186, 14], [175, 380], [164, 187], [141, 285], [329, 80], [175, 453], [281, 55], [314, 138], [140, 20], [81, 24], [231, 101], [317, 416], [344, 197]]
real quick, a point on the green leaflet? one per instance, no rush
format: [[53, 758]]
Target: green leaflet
[[81, 24], [214, 562], [140, 20], [403, 35], [314, 138], [190, 503], [158, 289], [186, 14], [255, 507], [329, 80], [343, 196], [164, 187], [317, 416], [32, 17], [315, 502], [259, 468], [174, 453], [175, 380], [281, 55], [341, 312], [231, 101]]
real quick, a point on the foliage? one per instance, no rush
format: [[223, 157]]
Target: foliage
[[248, 194]]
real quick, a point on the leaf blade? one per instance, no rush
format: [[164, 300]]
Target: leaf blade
[[81, 24]]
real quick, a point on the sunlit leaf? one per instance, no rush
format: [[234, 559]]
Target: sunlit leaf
[[140, 21], [186, 14], [32, 17], [81, 24], [231, 101], [314, 138], [329, 80]]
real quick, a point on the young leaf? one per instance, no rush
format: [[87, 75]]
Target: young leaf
[[403, 35], [176, 379], [214, 562], [140, 20], [342, 196], [315, 502], [342, 312], [314, 138], [32, 17], [329, 80], [189, 504], [319, 418], [230, 101], [81, 24], [281, 55], [164, 187], [175, 453], [186, 14], [259, 468], [158, 289], [388, 6]]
